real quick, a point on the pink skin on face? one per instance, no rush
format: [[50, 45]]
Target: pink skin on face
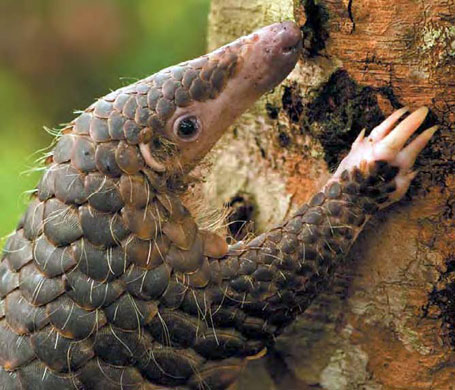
[[387, 142]]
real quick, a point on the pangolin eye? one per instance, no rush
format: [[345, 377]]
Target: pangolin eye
[[187, 128]]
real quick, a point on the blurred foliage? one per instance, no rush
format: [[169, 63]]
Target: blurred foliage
[[56, 56]]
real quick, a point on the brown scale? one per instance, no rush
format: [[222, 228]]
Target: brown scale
[[120, 348], [59, 353], [109, 283], [147, 284], [37, 375], [170, 366], [130, 313], [23, 316], [147, 254], [72, 321]]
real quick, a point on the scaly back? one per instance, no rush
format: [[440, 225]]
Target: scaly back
[[106, 254]]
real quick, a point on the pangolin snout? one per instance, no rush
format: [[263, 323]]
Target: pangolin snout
[[283, 38], [289, 36], [274, 54]]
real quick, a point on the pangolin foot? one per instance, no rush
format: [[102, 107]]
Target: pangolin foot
[[388, 142]]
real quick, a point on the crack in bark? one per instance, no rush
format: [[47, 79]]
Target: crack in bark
[[315, 29], [340, 110], [351, 16], [441, 301]]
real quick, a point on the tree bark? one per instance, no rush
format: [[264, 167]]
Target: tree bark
[[388, 322]]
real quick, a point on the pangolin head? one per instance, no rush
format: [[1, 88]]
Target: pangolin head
[[170, 120], [193, 103]]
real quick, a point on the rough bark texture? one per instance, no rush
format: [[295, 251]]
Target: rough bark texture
[[388, 322]]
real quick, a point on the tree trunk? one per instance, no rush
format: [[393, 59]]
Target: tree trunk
[[388, 322]]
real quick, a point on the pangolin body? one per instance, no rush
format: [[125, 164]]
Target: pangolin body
[[108, 283]]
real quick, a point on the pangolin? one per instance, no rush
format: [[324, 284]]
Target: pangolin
[[108, 283]]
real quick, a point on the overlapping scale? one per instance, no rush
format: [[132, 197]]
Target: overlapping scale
[[170, 367], [22, 316], [146, 253], [186, 260], [82, 123], [221, 344], [145, 223], [135, 191], [103, 108], [9, 280], [174, 294], [215, 246], [104, 193], [98, 375], [15, 350], [37, 376], [99, 130], [34, 220], [61, 222], [198, 279], [46, 186], [72, 321], [176, 328], [60, 353], [18, 250], [115, 124], [37, 288], [181, 233], [105, 159], [9, 380], [90, 294], [83, 157], [50, 259], [217, 375], [102, 229], [69, 185], [98, 263], [130, 313], [120, 348], [147, 284], [128, 158]]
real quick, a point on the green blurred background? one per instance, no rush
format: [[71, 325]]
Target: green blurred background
[[57, 56]]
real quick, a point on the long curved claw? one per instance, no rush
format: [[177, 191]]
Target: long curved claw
[[402, 182], [407, 157], [397, 138], [380, 131], [359, 138]]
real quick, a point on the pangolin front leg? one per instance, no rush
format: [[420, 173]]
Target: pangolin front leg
[[263, 284], [109, 284]]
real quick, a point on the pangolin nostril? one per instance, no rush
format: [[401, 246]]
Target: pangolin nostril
[[290, 49]]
